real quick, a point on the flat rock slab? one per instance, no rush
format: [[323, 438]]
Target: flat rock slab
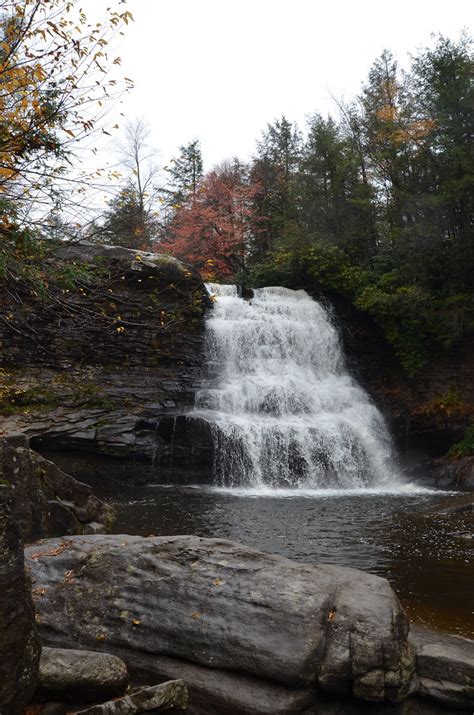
[[445, 667], [160, 697], [80, 675], [222, 605]]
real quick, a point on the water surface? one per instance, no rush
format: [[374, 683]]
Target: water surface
[[426, 557]]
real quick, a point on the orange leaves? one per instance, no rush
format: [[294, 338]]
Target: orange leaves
[[210, 228], [44, 45]]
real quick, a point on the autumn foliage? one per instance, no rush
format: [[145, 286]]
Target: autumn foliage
[[53, 86], [212, 228]]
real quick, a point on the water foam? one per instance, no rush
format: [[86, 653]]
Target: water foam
[[284, 411]]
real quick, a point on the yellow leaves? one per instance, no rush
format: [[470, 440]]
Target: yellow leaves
[[388, 113], [101, 637], [136, 622], [120, 329], [217, 582], [196, 614]]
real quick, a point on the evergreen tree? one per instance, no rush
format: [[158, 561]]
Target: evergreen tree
[[275, 169], [185, 173]]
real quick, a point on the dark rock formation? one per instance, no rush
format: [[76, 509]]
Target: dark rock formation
[[96, 369], [80, 676], [445, 667], [46, 501], [19, 643], [454, 473], [426, 413], [223, 606], [167, 696]]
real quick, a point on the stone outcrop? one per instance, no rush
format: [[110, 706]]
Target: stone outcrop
[[19, 643], [216, 604], [445, 667], [46, 501], [96, 368], [427, 413], [80, 676]]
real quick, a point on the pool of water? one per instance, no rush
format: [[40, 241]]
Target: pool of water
[[426, 556]]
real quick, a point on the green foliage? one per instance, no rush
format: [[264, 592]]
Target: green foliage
[[464, 448], [378, 207], [25, 261]]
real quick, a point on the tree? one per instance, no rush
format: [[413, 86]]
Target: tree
[[185, 172], [126, 222], [51, 59], [274, 171], [214, 225], [334, 196], [131, 219], [442, 94]]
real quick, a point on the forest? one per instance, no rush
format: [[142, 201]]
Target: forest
[[374, 203]]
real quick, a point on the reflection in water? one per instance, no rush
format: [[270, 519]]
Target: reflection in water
[[426, 557]]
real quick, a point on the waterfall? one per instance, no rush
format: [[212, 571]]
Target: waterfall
[[283, 409]]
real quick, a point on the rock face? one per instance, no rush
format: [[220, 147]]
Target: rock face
[[80, 676], [427, 413], [97, 367], [223, 606], [19, 643], [46, 501], [445, 667]]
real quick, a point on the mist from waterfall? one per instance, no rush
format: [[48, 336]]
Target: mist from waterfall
[[283, 409]]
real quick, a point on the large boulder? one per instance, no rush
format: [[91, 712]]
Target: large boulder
[[19, 643], [221, 605], [47, 501]]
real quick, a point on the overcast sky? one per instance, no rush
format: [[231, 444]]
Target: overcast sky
[[221, 69]]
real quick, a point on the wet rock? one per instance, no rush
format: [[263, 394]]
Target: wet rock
[[166, 696], [46, 500], [88, 386], [19, 643], [218, 604], [80, 675], [445, 667], [454, 473]]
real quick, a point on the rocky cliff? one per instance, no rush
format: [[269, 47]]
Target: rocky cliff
[[95, 368], [105, 364], [426, 413]]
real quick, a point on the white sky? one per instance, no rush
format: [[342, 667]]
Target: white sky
[[220, 70]]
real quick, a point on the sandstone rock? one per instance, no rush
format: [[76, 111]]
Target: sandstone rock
[[19, 644], [80, 675], [167, 696], [445, 667], [221, 605]]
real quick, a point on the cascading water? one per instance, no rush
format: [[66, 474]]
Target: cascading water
[[283, 409]]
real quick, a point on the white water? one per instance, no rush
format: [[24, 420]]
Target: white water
[[284, 410]]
